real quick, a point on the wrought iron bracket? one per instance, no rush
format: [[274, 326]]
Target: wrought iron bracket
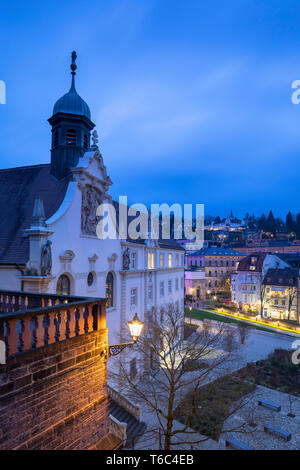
[[115, 349]]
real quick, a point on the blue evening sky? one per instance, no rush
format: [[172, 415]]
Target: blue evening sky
[[192, 99]]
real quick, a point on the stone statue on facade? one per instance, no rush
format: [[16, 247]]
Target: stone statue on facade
[[126, 259], [91, 198], [46, 259]]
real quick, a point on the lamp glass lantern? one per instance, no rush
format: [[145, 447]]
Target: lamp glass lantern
[[135, 327]]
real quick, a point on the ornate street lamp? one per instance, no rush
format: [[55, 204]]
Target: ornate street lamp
[[135, 328]]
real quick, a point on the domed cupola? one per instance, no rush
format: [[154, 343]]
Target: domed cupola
[[71, 127]]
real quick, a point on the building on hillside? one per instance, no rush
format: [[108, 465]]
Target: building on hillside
[[268, 246], [247, 290], [218, 264], [48, 239], [281, 294]]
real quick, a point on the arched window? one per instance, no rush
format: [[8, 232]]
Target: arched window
[[63, 285], [109, 290], [71, 137]]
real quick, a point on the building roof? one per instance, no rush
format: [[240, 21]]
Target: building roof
[[216, 251], [19, 187], [291, 258], [253, 262], [282, 277], [72, 103]]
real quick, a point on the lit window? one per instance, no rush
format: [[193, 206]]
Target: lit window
[[150, 260], [63, 285], [109, 290], [161, 260], [170, 260], [133, 297]]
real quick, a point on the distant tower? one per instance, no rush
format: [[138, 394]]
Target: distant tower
[[71, 127]]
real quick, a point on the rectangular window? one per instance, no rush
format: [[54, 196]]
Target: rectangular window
[[133, 260], [170, 260], [177, 260], [176, 284], [133, 297], [150, 260], [182, 283], [162, 289], [133, 368], [170, 286], [161, 260], [150, 292]]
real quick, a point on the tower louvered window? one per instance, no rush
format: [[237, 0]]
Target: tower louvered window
[[71, 137]]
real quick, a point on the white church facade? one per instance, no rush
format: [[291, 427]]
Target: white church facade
[[48, 239]]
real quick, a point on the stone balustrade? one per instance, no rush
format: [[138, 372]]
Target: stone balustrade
[[118, 429], [123, 402], [13, 301], [61, 319]]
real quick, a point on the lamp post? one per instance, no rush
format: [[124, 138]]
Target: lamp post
[[135, 328]]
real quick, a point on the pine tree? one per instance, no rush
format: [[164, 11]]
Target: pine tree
[[289, 222]]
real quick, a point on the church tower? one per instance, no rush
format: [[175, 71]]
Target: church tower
[[71, 127]]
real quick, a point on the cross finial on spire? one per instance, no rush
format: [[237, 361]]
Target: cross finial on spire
[[73, 64]]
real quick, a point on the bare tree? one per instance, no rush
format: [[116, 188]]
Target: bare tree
[[173, 368], [243, 331], [292, 293], [262, 297]]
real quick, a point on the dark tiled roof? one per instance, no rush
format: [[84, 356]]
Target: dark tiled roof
[[255, 260], [282, 277], [19, 187], [135, 429], [217, 251]]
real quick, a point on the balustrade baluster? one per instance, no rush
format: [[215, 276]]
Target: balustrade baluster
[[46, 323], [77, 321], [33, 328], [20, 331], [68, 321], [12, 344], [57, 322], [86, 315]]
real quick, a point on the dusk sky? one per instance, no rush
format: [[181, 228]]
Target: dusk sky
[[192, 99]]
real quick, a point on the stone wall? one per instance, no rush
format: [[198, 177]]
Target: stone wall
[[55, 397]]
